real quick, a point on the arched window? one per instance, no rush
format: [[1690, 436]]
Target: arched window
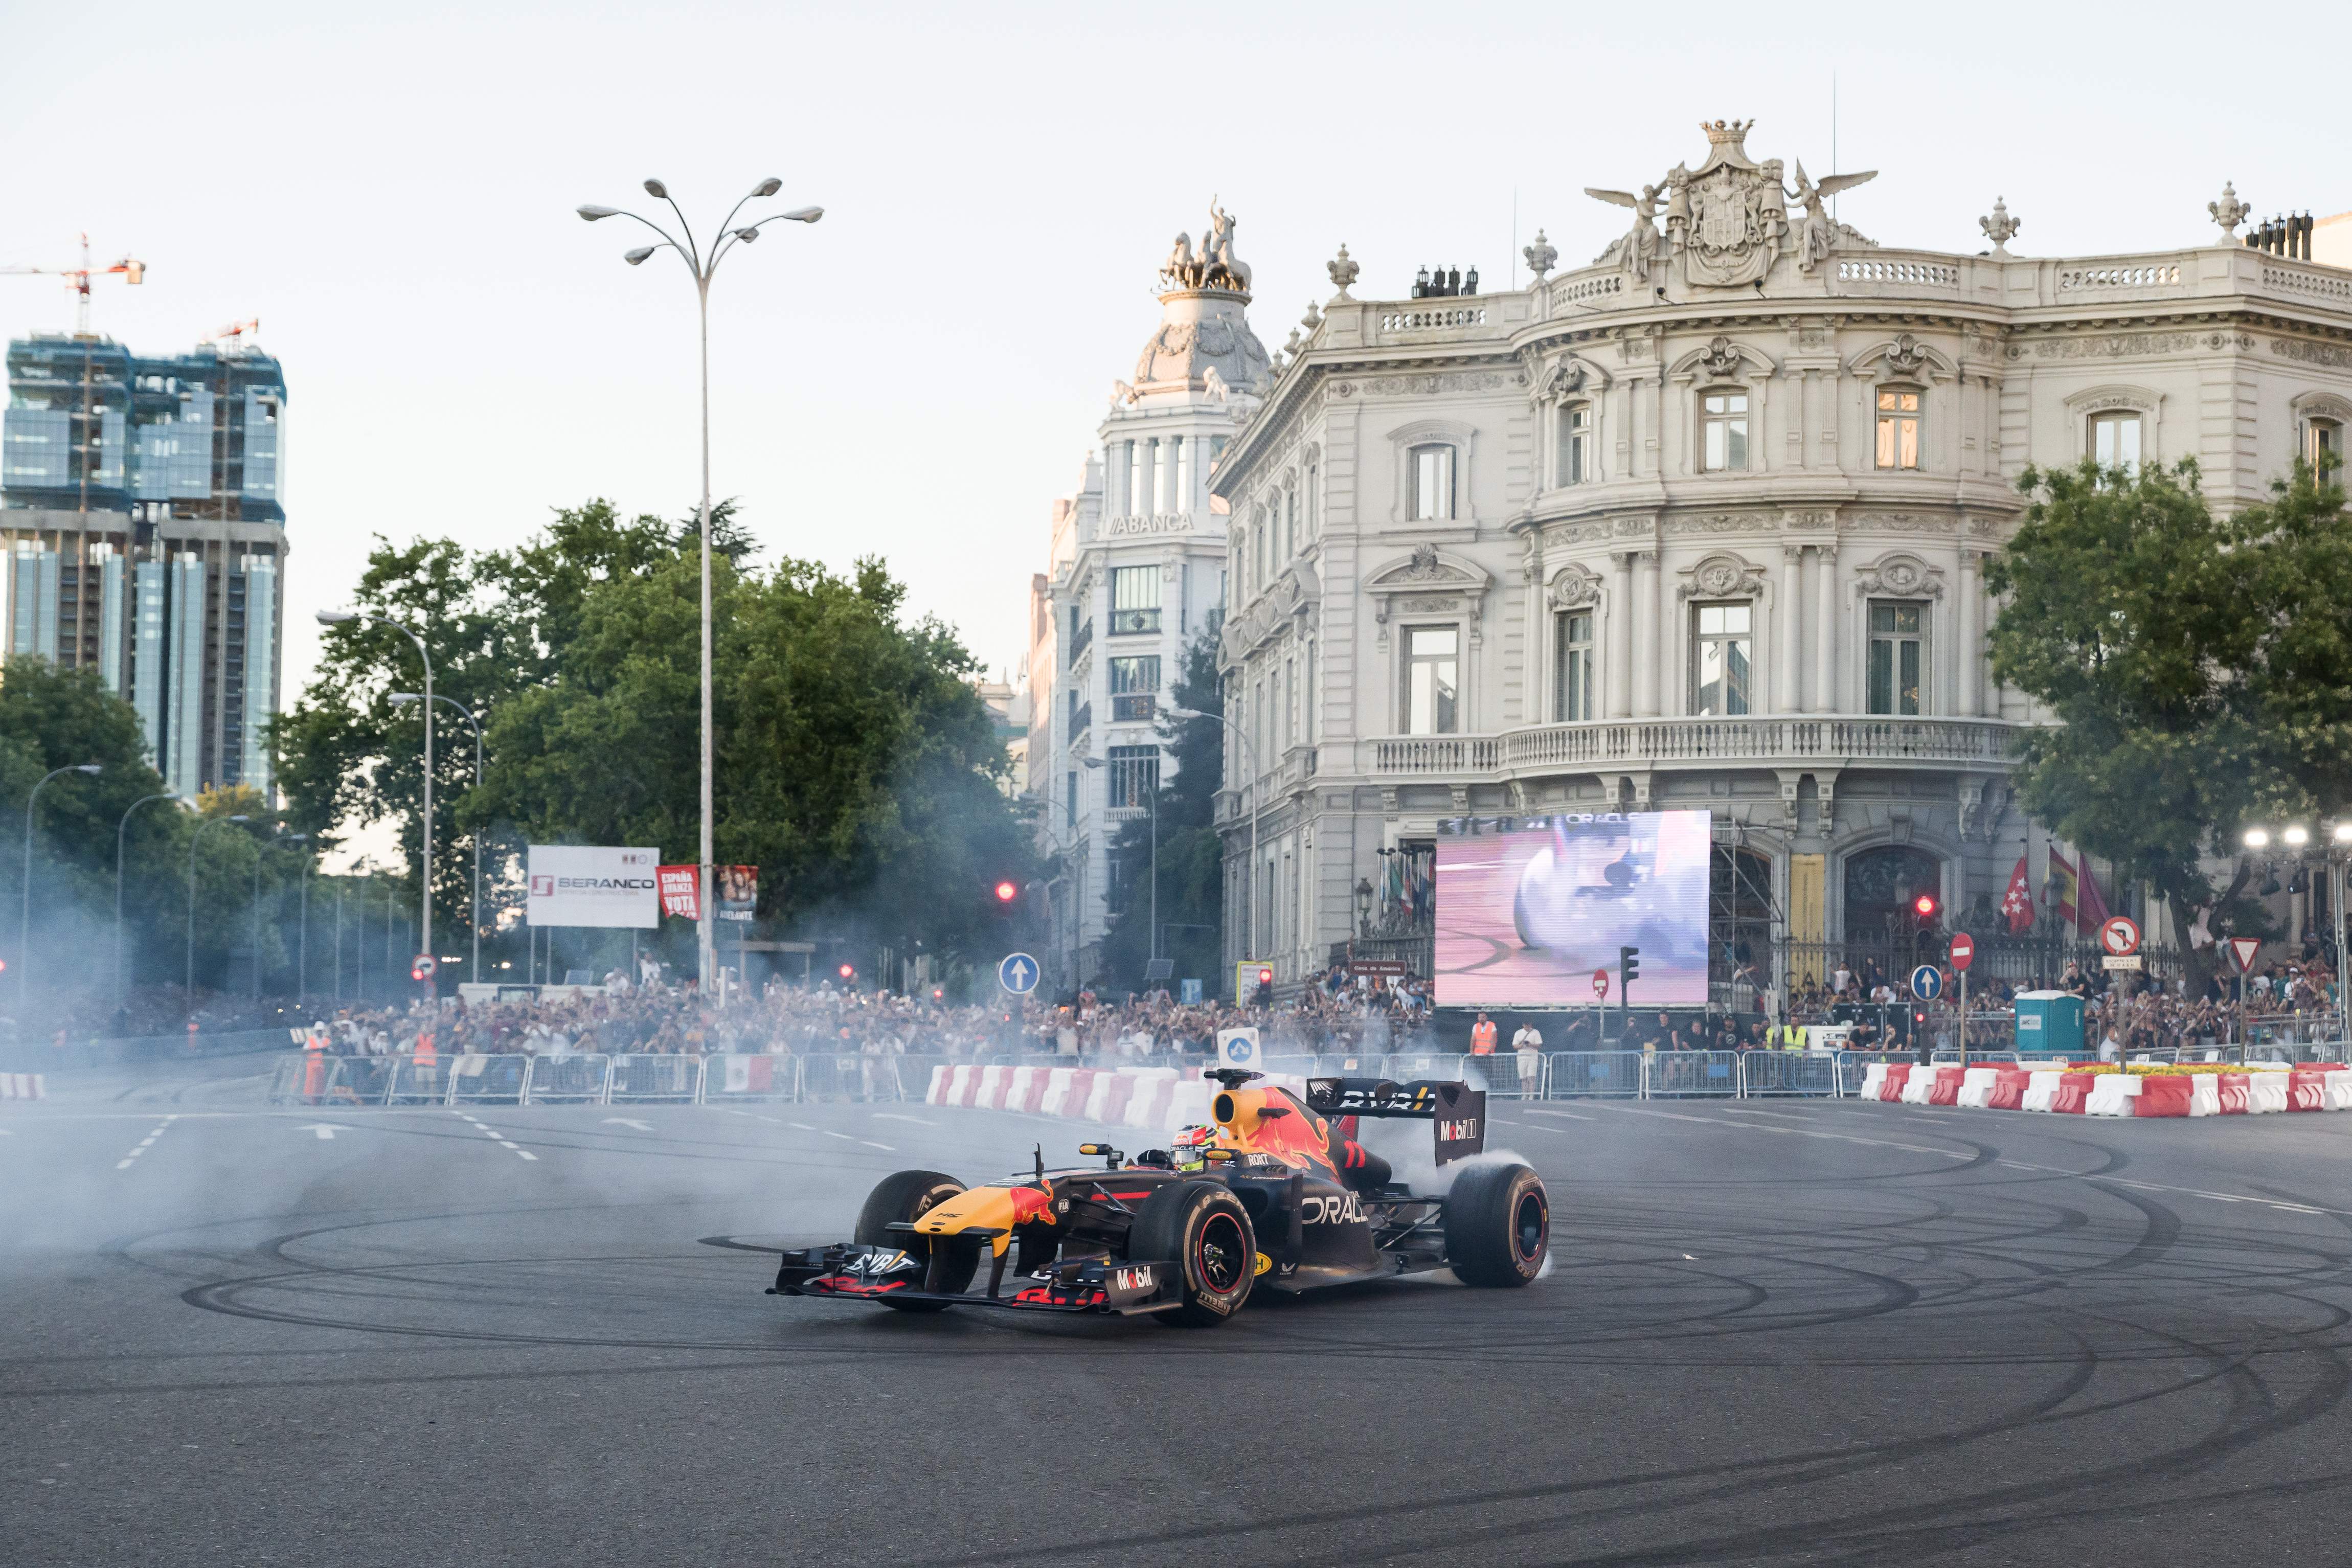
[[2322, 443], [2114, 440]]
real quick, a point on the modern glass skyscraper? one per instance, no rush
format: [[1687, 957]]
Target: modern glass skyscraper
[[144, 537]]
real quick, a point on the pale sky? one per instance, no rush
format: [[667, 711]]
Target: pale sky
[[390, 190]]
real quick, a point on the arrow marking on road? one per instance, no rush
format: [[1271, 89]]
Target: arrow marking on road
[[326, 1130], [629, 1121]]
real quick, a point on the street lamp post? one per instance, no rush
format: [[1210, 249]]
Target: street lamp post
[[424, 865], [121, 987], [24, 927], [1249, 757], [189, 993], [402, 699], [703, 267]]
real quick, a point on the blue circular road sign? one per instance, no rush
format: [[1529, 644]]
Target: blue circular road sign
[[1018, 974], [1927, 982]]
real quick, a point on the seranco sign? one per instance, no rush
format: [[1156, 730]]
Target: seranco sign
[[581, 884]]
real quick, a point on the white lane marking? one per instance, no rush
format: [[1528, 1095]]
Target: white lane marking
[[845, 1137], [325, 1130], [894, 1116], [803, 1126], [772, 1121], [501, 1138], [872, 1145], [145, 1144], [628, 1122], [1546, 1111], [1806, 1133]]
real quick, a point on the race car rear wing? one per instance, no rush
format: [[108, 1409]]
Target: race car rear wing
[[1458, 1110]]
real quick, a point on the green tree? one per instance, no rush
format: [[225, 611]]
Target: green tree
[[1192, 855], [2195, 666]]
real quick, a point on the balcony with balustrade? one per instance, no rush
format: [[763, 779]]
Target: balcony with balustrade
[[1764, 741]]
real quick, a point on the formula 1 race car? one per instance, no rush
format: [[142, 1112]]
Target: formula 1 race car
[[1275, 1188]]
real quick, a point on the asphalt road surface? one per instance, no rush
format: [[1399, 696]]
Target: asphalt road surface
[[1773, 1333]]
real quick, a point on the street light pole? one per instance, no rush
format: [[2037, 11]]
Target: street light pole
[[703, 268], [24, 927], [424, 865], [1249, 759], [188, 994], [120, 987], [402, 699]]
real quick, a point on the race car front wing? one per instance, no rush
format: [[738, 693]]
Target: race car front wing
[[848, 1272]]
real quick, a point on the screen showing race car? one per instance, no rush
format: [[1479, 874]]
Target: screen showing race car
[[1531, 911]]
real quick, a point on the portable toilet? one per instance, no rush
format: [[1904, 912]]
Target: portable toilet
[[2049, 1023]]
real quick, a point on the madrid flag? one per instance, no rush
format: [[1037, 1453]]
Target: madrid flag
[[2017, 904]]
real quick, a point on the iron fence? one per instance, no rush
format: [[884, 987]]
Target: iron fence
[[1594, 1075]]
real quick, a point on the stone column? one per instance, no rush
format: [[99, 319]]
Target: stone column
[[1784, 617], [1825, 697], [1621, 638], [1970, 609], [1649, 645]]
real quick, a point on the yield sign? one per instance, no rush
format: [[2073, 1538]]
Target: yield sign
[[2242, 949], [2120, 935]]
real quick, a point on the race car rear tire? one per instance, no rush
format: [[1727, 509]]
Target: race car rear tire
[[1202, 1229], [903, 1198], [1497, 1225]]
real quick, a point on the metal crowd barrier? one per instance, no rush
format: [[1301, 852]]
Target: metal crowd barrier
[[567, 1080], [1594, 1075], [489, 1079], [1690, 1073], [647, 1080], [1767, 1073], [868, 1079]]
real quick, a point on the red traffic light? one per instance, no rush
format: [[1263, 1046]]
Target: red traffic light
[[1006, 893], [1924, 904], [847, 970], [1265, 975]]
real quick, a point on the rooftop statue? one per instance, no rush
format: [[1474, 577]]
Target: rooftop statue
[[1728, 219], [1216, 267]]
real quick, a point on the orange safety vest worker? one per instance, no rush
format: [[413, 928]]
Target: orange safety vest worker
[[425, 1052], [314, 1066], [1482, 1038]]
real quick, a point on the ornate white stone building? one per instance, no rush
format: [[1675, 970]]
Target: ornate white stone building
[[1704, 524], [1137, 565]]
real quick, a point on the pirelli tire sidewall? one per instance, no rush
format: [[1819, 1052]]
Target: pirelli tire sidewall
[[902, 1197], [1202, 1229], [1497, 1225]]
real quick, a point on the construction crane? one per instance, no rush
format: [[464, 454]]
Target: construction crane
[[85, 443], [237, 330], [132, 270]]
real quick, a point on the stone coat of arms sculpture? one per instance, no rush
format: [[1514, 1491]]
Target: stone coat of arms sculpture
[[1727, 220]]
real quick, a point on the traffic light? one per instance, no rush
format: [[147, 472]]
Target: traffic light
[[849, 971], [1924, 906], [1006, 892], [1266, 986], [1629, 970]]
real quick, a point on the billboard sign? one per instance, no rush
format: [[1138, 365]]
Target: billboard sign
[[582, 885], [681, 891], [1531, 911], [739, 891]]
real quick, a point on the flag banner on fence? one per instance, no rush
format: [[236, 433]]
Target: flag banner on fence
[[2017, 904], [751, 1074], [739, 891], [682, 891]]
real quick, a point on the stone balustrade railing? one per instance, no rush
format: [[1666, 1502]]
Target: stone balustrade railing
[[1644, 742]]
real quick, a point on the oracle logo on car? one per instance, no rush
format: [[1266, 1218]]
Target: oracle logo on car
[[1343, 1210]]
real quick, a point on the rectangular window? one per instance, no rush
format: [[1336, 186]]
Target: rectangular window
[[1071, 797], [1290, 522], [1722, 659], [1897, 637], [1314, 496], [2114, 441], [1134, 600], [1576, 444], [1134, 686], [1432, 679], [1899, 428], [2323, 446], [1573, 686], [1134, 775], [1723, 428], [1432, 484]]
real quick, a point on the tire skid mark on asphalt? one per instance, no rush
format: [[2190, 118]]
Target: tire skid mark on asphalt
[[1807, 1132], [503, 1141], [145, 1144]]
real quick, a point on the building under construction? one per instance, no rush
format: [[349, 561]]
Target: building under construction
[[144, 537]]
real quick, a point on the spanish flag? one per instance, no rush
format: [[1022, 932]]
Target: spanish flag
[[2062, 877]]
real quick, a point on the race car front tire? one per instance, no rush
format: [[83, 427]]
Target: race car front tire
[[1202, 1229], [1497, 1225], [902, 1198]]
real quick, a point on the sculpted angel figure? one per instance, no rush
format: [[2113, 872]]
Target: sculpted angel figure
[[1637, 249], [1819, 234]]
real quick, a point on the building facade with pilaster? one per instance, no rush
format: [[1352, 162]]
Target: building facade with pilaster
[[1705, 525]]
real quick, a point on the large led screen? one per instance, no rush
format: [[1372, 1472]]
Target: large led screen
[[1530, 909]]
